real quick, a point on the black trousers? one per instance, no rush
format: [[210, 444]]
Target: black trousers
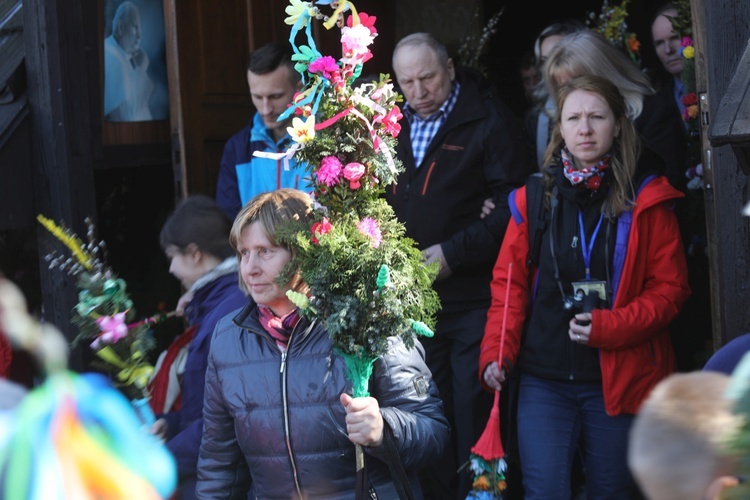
[[453, 357]]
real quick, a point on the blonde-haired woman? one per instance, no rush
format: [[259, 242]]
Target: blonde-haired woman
[[586, 363], [279, 417]]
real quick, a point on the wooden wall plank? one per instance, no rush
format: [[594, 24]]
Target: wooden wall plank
[[720, 41], [61, 58]]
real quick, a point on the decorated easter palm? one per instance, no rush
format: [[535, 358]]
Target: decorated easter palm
[[367, 280]]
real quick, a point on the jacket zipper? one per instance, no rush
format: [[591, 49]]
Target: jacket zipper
[[438, 153], [285, 405], [427, 178]]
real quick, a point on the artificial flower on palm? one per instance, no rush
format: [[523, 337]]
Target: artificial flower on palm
[[682, 25], [367, 280], [612, 23], [104, 315]]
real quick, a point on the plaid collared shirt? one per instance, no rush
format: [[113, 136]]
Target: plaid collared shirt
[[423, 130]]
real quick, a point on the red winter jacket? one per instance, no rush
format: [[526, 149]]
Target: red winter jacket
[[632, 337]]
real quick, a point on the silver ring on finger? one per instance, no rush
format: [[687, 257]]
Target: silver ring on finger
[[578, 337]]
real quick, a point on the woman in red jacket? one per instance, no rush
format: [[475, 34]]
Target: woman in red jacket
[[587, 325]]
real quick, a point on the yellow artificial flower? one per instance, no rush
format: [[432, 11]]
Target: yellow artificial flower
[[692, 111], [302, 131], [295, 9], [688, 52]]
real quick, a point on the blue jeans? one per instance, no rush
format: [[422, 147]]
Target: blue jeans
[[555, 420]]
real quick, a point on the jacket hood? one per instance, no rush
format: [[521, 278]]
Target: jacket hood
[[227, 266]]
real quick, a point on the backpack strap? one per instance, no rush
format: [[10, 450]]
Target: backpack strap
[[538, 217], [624, 221]]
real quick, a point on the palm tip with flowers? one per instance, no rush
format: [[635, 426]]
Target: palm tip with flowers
[[104, 315], [367, 280]]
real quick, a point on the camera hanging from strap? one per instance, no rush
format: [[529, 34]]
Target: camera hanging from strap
[[587, 252]]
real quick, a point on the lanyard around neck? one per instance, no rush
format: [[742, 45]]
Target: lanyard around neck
[[586, 249]]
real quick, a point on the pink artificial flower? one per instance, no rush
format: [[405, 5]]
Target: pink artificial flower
[[325, 65], [354, 42], [365, 20], [319, 229], [390, 121], [353, 172], [686, 42], [370, 228], [329, 172], [113, 328]]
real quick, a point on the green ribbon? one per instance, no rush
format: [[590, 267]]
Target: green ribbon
[[113, 290]]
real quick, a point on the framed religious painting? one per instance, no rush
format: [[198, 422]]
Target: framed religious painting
[[135, 71]]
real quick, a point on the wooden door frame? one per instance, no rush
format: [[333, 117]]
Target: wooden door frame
[[726, 187]]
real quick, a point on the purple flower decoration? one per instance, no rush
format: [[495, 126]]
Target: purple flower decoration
[[329, 172], [686, 42], [370, 228]]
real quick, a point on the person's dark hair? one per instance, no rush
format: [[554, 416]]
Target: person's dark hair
[[560, 28], [661, 9], [198, 220], [539, 93], [269, 57], [528, 60]]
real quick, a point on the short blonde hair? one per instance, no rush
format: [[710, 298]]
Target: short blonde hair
[[272, 209], [677, 442]]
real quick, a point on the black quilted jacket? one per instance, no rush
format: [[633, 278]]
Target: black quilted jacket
[[274, 426]]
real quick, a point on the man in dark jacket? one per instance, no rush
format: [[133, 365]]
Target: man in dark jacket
[[460, 145]]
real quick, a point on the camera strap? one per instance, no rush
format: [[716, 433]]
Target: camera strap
[[585, 249]]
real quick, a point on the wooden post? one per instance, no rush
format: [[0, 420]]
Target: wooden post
[[62, 62], [721, 32]]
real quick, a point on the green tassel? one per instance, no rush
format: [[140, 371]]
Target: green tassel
[[421, 329], [384, 277]]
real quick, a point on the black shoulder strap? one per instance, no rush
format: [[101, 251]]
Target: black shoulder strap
[[537, 216], [398, 472]]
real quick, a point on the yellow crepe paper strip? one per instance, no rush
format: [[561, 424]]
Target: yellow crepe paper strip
[[74, 244], [137, 374], [343, 4]]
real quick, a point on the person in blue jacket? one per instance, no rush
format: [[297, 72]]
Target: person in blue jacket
[[273, 82], [279, 418], [195, 238]]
